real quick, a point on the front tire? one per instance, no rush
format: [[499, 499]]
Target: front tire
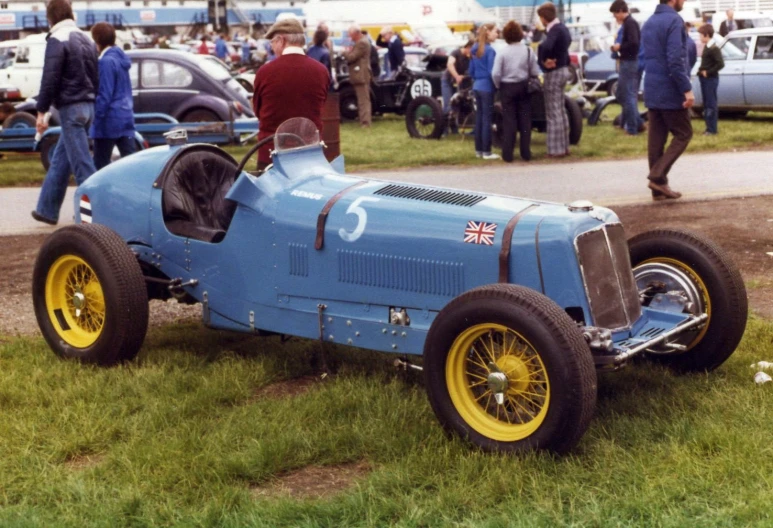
[[548, 392], [89, 295], [47, 146], [710, 278], [574, 113]]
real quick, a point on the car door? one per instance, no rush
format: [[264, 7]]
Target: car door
[[165, 86], [758, 77], [735, 51]]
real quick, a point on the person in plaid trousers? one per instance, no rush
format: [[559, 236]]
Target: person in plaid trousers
[[553, 55]]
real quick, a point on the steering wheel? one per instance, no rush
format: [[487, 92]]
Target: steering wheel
[[262, 142]]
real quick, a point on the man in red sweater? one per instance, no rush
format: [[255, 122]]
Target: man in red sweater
[[293, 85]]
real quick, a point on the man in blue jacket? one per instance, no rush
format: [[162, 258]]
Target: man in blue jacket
[[394, 45], [667, 93], [114, 109], [70, 83]]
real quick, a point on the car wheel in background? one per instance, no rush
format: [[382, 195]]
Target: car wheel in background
[[47, 145], [424, 118], [508, 370], [574, 113], [675, 261], [200, 116], [20, 120], [89, 295], [612, 87], [348, 103]]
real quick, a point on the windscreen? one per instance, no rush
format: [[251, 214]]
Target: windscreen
[[295, 133]]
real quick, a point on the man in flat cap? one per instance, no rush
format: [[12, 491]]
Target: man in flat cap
[[293, 85]]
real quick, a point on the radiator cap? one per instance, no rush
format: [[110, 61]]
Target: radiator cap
[[580, 206]]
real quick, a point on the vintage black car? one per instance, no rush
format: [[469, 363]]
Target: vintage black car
[[391, 93]]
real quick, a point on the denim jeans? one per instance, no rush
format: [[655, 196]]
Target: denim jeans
[[447, 91], [103, 149], [709, 86], [71, 156], [484, 107], [628, 95]]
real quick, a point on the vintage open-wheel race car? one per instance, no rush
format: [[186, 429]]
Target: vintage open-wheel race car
[[513, 303]]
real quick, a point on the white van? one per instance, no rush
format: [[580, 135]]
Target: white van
[[27, 70]]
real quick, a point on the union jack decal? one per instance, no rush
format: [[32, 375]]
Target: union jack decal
[[480, 233]]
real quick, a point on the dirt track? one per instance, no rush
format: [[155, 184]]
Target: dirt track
[[743, 227]]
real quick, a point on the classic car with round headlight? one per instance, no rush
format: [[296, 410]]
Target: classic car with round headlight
[[513, 304]]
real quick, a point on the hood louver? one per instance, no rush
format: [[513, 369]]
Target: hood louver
[[430, 195]]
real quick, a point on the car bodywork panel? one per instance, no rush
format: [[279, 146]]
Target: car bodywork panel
[[382, 249]]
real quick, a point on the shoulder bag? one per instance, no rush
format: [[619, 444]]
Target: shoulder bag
[[533, 84]]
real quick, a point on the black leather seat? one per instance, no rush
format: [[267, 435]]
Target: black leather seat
[[194, 189]]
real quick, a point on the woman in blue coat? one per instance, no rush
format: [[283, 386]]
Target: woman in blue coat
[[114, 108], [481, 66]]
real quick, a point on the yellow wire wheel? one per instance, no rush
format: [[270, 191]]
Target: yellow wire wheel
[[90, 296], [498, 382], [75, 301]]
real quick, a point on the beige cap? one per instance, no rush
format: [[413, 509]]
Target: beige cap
[[284, 27]]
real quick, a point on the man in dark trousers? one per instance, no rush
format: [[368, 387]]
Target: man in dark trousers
[[69, 83], [628, 80], [292, 85], [667, 93], [395, 52]]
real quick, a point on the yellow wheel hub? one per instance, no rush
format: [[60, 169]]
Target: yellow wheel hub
[[75, 301], [497, 382]]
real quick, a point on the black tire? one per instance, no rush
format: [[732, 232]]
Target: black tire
[[497, 126], [424, 118], [612, 87], [114, 317], [574, 77], [347, 101], [200, 115], [20, 120], [47, 145], [715, 278], [548, 332], [574, 113]]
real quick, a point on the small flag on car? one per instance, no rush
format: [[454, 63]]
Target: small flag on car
[[480, 233]]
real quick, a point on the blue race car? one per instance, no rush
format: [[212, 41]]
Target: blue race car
[[512, 303]]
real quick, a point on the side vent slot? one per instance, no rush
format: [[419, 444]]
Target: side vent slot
[[410, 192], [299, 260]]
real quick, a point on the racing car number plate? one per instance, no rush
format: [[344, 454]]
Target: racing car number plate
[[421, 87]]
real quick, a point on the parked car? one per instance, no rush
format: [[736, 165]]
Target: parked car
[[599, 72], [189, 87], [512, 303], [745, 81], [26, 72]]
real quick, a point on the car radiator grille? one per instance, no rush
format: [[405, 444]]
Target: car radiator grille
[[606, 271]]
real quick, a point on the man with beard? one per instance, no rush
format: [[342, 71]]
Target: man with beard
[[668, 93]]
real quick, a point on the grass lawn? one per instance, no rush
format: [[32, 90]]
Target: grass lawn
[[388, 146], [186, 436]]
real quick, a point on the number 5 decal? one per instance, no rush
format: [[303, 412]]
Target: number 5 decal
[[362, 219]]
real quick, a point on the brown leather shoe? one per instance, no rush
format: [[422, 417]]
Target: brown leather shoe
[[665, 190], [658, 197]]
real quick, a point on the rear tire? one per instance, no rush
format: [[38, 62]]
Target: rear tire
[[424, 118], [89, 294], [200, 116], [20, 120], [348, 104], [574, 113]]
